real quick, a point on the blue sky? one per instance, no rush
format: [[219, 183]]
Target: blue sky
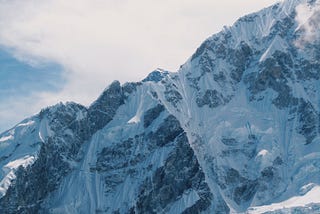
[[19, 81], [18, 78], [71, 50]]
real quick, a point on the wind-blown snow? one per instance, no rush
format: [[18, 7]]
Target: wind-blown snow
[[44, 130], [25, 161], [10, 168], [277, 44], [18, 147], [6, 138], [297, 201]]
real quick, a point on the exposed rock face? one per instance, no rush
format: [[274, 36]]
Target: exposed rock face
[[152, 114], [179, 176], [212, 98], [308, 118], [103, 110], [236, 130]]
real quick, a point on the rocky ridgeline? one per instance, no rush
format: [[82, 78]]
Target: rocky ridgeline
[[236, 128]]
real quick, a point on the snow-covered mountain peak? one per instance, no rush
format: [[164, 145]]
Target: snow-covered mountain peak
[[156, 75], [235, 130]]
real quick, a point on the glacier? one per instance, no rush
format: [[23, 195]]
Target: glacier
[[235, 130]]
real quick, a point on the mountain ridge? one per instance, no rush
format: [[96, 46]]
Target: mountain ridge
[[235, 130]]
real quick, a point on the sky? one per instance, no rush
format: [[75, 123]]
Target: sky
[[57, 50]]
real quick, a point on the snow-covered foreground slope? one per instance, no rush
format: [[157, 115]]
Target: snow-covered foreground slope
[[236, 130]]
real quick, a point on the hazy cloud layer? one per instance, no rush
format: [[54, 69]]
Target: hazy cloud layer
[[97, 41]]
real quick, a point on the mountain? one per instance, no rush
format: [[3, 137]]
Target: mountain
[[235, 130]]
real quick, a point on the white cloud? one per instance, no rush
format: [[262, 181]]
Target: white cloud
[[98, 41], [308, 19]]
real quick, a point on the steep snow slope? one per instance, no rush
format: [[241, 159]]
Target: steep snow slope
[[235, 130], [19, 151]]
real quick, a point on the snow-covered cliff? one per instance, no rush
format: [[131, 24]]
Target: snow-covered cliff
[[235, 130]]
